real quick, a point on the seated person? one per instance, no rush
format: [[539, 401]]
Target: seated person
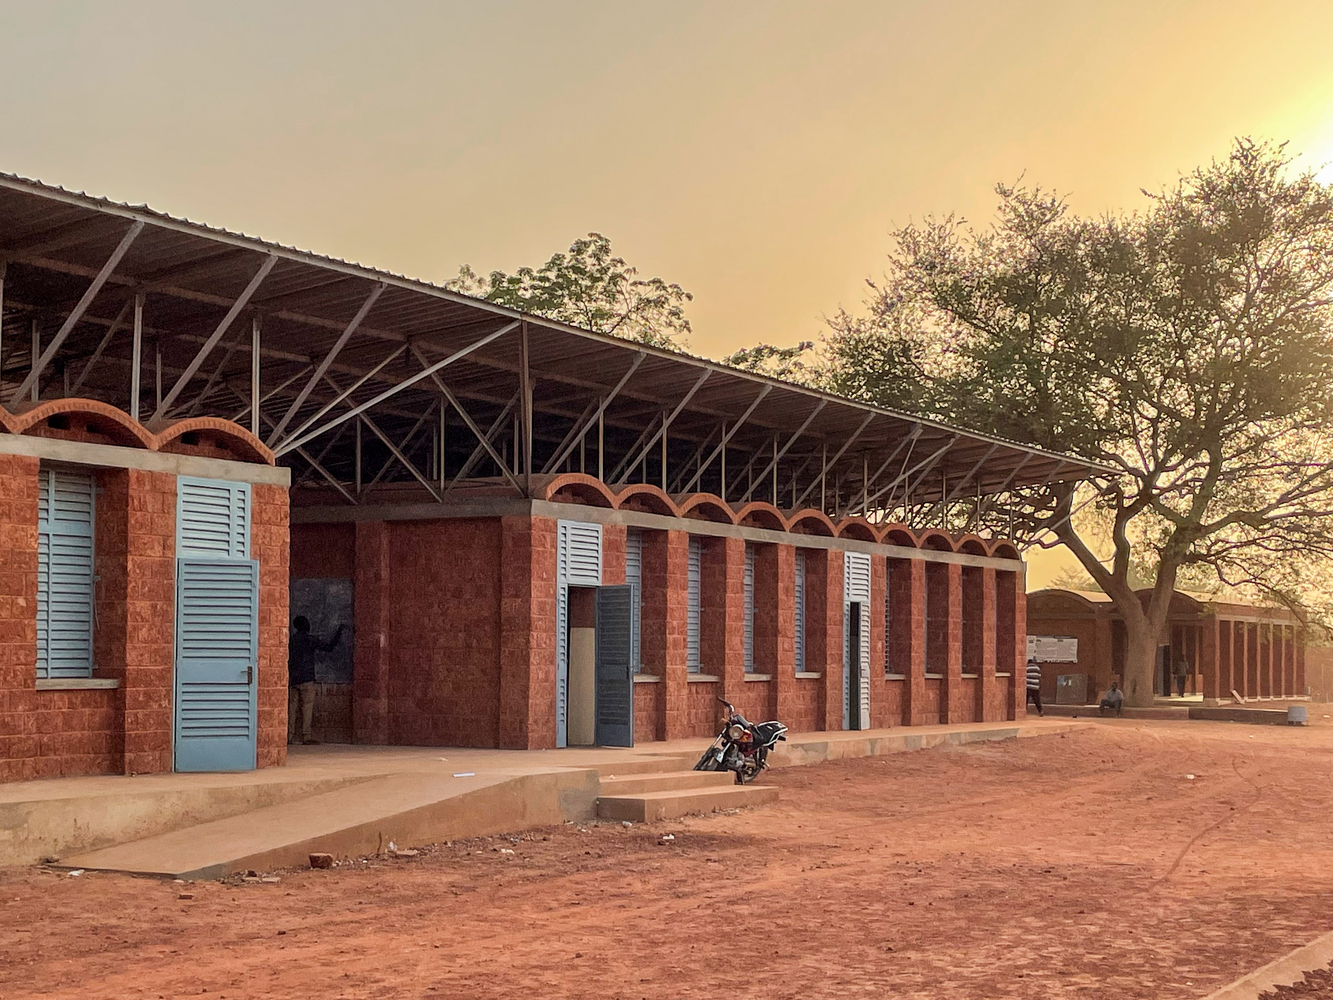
[[1114, 700]]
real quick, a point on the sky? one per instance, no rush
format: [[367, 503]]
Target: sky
[[760, 153]]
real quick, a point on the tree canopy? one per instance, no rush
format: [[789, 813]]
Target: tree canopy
[[589, 287], [1188, 347]]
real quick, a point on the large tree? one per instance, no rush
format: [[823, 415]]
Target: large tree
[[590, 287], [1187, 347]]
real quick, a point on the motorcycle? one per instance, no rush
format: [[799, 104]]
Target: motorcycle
[[742, 746]]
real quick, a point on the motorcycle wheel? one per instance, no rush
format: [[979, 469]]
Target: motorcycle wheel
[[708, 762], [749, 770]]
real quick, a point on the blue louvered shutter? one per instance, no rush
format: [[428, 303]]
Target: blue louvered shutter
[[800, 611], [212, 518], [578, 563], [749, 608], [693, 609], [217, 627], [634, 577], [65, 574]]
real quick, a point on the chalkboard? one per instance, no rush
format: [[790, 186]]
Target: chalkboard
[[327, 602]]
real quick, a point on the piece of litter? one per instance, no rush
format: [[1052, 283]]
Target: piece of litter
[[76, 871], [1189, 777], [443, 758], [185, 895], [392, 847], [466, 774], [625, 822], [505, 850]]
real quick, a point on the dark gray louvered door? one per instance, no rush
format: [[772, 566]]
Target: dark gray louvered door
[[615, 669]]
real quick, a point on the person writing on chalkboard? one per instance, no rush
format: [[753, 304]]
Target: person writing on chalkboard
[[301, 650]]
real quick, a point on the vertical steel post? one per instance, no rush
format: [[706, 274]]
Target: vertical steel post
[[3, 266], [358, 457], [157, 351], [601, 442], [36, 353], [525, 408], [255, 323], [444, 446], [723, 494], [136, 358]]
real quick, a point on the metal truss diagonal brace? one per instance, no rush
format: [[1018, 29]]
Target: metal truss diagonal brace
[[39, 364], [726, 438], [337, 347], [574, 435], [777, 457], [666, 424], [840, 452], [202, 355], [392, 391]]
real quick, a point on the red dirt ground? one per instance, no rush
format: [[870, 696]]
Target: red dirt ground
[[1085, 865]]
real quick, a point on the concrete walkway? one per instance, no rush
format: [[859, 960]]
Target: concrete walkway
[[354, 800]]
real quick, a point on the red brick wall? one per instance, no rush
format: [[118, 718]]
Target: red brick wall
[[528, 638], [270, 545], [150, 616], [647, 717], [702, 712], [78, 732], [19, 744], [443, 632], [803, 714], [323, 550]]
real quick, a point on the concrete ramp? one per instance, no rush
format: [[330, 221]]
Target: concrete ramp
[[350, 801]]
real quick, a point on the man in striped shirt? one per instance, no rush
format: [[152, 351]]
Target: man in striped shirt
[[1034, 683]]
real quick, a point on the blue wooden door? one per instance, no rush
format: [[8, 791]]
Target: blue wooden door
[[217, 628]]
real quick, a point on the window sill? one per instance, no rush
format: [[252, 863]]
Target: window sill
[[758, 677], [703, 679], [78, 684], [934, 677], [647, 679], [998, 674], [973, 676], [895, 677], [807, 675]]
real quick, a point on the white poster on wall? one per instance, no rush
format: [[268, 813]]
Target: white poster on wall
[[1053, 648]]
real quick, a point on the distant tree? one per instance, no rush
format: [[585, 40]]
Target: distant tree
[[589, 287], [787, 363], [1188, 347]]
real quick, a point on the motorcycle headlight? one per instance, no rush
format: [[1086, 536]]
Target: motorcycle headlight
[[735, 731]]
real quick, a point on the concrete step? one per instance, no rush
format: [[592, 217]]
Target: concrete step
[[665, 781], [647, 764], [648, 807]]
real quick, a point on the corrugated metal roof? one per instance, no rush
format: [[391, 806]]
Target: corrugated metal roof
[[55, 239]]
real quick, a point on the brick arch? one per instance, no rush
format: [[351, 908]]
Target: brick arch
[[578, 487], [936, 540], [221, 435], [812, 522], [1005, 550], [973, 545], [646, 498], [706, 507], [897, 534], [759, 514], [858, 528], [95, 416]]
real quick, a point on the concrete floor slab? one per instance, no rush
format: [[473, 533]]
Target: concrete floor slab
[[415, 795]]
